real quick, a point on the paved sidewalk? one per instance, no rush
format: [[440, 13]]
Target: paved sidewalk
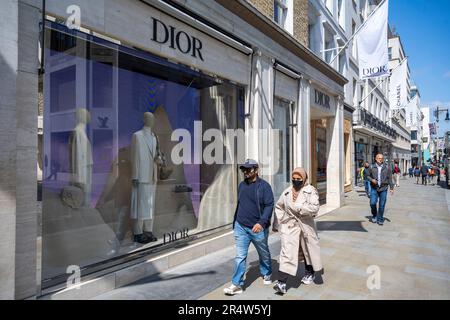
[[412, 251]]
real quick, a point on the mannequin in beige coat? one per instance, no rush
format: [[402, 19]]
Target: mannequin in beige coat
[[294, 219], [144, 175]]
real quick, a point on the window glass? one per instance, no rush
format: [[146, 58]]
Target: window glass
[[126, 142], [280, 12]]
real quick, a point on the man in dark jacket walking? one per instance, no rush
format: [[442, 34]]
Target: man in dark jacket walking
[[411, 172], [381, 179], [424, 171], [251, 225], [366, 175]]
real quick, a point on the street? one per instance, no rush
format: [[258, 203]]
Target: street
[[411, 252]]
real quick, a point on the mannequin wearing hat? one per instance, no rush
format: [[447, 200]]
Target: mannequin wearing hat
[[144, 174], [81, 155]]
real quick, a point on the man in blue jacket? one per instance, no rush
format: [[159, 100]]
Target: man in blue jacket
[[251, 225], [366, 175], [424, 171], [381, 179]]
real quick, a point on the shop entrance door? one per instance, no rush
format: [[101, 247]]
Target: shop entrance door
[[319, 157]]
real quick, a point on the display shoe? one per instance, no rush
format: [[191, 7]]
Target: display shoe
[[150, 235], [141, 238]]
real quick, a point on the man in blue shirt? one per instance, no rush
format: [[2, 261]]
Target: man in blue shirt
[[251, 225]]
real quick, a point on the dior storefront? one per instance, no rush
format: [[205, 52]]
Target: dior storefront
[[128, 129], [146, 109]]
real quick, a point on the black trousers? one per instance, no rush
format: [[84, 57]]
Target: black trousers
[[424, 180], [283, 276]]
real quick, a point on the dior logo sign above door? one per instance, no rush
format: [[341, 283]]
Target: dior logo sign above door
[[176, 39], [321, 99]]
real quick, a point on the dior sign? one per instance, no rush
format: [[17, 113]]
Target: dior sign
[[176, 39], [375, 71], [321, 99], [174, 236]]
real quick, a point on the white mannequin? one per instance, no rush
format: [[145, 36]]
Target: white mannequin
[[144, 175], [81, 155]]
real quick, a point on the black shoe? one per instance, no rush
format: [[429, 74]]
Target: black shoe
[[141, 238], [380, 223], [150, 236]]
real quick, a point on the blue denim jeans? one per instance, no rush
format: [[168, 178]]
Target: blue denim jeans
[[374, 197], [368, 187], [243, 237]]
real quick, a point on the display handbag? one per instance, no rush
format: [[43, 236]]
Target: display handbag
[[164, 171]]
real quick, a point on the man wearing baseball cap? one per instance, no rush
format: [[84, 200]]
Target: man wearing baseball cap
[[251, 225]]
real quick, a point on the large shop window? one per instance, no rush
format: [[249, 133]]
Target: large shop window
[[111, 186]]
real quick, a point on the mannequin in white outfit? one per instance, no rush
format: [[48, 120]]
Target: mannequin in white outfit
[[81, 155], [144, 174]]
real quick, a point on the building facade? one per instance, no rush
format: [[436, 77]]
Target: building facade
[[328, 25], [426, 135], [416, 128], [332, 23], [224, 82]]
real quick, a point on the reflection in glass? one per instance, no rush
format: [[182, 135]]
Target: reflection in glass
[[81, 155]]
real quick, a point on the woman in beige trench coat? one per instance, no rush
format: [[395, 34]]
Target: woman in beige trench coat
[[294, 219]]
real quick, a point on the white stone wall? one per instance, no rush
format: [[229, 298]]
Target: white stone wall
[[9, 24], [19, 34]]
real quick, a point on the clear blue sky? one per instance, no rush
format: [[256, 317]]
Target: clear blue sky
[[424, 28]]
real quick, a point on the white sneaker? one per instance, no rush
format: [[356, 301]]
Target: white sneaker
[[280, 287], [267, 279], [308, 278], [232, 290]]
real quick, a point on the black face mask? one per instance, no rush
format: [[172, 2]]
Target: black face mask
[[297, 183], [249, 178]]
